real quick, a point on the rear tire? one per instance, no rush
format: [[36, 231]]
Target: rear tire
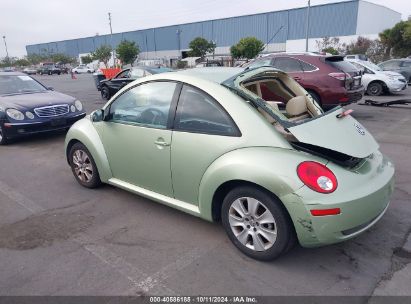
[[83, 166], [257, 223], [375, 89]]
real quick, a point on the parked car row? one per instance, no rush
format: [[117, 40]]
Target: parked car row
[[213, 142], [376, 81], [207, 142], [56, 69], [109, 87], [330, 80]]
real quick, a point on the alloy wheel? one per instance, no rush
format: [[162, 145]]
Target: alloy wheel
[[252, 223], [83, 167]]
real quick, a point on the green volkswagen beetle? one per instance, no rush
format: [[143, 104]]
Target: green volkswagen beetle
[[205, 142]]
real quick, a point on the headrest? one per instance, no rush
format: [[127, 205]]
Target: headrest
[[296, 106]]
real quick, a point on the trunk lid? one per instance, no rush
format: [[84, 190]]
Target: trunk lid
[[331, 130], [345, 135]]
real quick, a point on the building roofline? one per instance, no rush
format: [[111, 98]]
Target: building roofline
[[380, 6], [201, 21]]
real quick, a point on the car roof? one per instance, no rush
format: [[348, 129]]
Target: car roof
[[12, 74], [214, 74]]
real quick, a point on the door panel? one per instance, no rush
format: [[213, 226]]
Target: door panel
[[136, 136], [203, 132], [135, 157]]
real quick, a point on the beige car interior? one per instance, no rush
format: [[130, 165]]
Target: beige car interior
[[298, 106]]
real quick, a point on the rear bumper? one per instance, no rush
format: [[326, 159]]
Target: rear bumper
[[341, 96], [363, 200], [355, 95], [15, 130]]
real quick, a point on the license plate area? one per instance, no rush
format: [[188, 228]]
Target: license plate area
[[58, 122]]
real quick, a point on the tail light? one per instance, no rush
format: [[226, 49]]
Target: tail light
[[317, 177], [340, 76]]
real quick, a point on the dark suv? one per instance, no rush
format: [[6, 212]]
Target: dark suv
[[330, 80]]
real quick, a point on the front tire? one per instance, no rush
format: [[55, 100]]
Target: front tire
[[257, 223], [83, 166], [375, 89], [3, 138]]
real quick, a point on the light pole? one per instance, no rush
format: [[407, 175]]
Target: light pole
[[178, 32], [5, 44], [111, 40], [215, 45], [307, 25]]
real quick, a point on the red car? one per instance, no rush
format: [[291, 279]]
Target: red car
[[330, 80]]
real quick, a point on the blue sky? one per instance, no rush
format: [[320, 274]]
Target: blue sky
[[27, 22]]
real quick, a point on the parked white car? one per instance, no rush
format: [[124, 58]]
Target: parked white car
[[82, 68], [376, 81]]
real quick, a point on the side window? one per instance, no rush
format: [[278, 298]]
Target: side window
[[406, 64], [261, 62], [147, 105], [391, 64], [307, 67], [288, 64], [197, 112], [123, 74]]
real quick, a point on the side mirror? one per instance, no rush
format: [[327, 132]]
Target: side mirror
[[97, 115], [50, 88]]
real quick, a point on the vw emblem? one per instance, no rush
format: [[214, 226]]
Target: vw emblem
[[359, 129]]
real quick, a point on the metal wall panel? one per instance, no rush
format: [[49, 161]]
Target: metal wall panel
[[275, 20], [227, 32], [167, 38], [189, 32], [339, 19], [375, 18], [335, 19]]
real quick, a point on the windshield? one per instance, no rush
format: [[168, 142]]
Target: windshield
[[19, 85], [159, 70], [371, 66]]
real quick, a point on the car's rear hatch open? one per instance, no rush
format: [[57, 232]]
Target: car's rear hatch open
[[331, 132]]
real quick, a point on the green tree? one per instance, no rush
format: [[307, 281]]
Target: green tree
[[102, 54], [127, 51], [359, 46], [21, 62], [86, 59], [62, 58], [248, 47], [330, 50], [199, 47], [35, 58], [330, 45], [397, 40]]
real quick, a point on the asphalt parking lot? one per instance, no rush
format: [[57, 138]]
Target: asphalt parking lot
[[58, 238]]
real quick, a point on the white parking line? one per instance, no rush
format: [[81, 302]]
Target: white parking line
[[20, 198], [139, 279], [153, 282], [128, 270]]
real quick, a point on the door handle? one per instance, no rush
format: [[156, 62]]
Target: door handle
[[162, 143], [297, 78]]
